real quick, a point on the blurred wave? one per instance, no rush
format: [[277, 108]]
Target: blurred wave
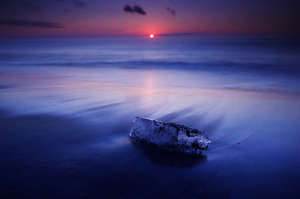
[[171, 79]]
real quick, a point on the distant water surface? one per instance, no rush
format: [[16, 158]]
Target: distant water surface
[[67, 107]]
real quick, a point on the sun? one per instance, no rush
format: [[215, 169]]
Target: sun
[[151, 36]]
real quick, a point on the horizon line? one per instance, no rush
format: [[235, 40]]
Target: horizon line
[[204, 34]]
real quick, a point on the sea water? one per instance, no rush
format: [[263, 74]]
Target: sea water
[[67, 105]]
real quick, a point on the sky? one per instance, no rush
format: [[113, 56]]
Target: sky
[[71, 18]]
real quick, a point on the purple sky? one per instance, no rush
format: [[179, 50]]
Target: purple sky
[[32, 18]]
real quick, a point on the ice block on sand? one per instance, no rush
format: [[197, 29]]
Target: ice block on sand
[[169, 136]]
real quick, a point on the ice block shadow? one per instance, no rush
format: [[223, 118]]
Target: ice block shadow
[[168, 158]]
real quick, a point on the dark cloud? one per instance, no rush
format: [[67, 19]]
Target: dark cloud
[[128, 8], [79, 4], [134, 9], [31, 6], [40, 24], [139, 10], [171, 11]]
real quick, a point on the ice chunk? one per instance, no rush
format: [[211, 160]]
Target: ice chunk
[[169, 136]]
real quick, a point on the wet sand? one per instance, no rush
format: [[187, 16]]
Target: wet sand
[[64, 134]]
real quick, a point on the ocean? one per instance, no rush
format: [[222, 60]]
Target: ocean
[[67, 105]]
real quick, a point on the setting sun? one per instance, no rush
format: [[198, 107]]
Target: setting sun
[[151, 36]]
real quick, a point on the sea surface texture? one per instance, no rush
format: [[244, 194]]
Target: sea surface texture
[[67, 105]]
